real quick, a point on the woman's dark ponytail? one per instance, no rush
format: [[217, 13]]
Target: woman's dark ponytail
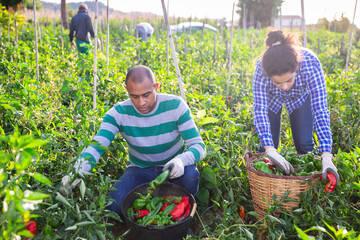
[[281, 55]]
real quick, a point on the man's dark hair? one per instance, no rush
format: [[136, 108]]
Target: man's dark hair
[[139, 73], [281, 56]]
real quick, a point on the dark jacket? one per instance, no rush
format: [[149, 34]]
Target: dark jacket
[[81, 24]]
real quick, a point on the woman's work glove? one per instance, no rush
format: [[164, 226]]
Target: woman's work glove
[[328, 166], [279, 161], [177, 166]]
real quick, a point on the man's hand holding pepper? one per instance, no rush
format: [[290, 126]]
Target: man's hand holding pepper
[[279, 161], [328, 166], [177, 166]]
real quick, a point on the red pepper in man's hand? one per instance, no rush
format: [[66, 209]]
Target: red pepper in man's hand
[[268, 162], [180, 208], [31, 227], [330, 186]]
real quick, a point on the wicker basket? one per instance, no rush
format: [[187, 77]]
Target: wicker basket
[[265, 185]]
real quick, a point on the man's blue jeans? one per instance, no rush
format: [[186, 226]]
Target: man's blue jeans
[[135, 176], [301, 120]]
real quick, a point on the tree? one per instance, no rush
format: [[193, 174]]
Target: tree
[[10, 3], [263, 10], [64, 18]]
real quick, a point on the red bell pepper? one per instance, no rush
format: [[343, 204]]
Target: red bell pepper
[[163, 207], [142, 213], [268, 162], [330, 186], [180, 208], [31, 227], [242, 212]]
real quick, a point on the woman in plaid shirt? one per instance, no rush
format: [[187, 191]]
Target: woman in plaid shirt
[[291, 75]]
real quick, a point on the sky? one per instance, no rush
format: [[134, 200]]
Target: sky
[[314, 9]]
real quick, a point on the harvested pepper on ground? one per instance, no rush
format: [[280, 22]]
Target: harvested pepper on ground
[[180, 208], [242, 212]]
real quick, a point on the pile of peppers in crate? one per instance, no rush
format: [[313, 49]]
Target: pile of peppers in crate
[[304, 165], [160, 211]]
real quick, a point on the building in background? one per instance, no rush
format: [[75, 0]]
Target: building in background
[[292, 22]]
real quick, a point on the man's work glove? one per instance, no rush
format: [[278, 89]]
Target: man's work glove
[[68, 187], [81, 166], [328, 167], [177, 166], [279, 161]]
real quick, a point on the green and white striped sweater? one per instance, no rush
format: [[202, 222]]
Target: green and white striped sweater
[[153, 138]]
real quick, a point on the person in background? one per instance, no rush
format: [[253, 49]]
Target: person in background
[[144, 30], [82, 26], [291, 75], [160, 133]]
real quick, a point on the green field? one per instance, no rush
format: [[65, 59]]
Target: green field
[[45, 124]]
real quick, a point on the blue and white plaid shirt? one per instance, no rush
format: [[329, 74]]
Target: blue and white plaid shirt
[[309, 79]]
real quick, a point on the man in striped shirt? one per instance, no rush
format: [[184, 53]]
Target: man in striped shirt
[[160, 133], [293, 76]]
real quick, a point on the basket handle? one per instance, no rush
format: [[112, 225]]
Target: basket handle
[[193, 210]]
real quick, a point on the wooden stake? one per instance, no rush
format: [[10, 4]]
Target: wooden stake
[[16, 32], [107, 34], [173, 52], [214, 47], [167, 42], [95, 59], [303, 22], [9, 24], [350, 41], [244, 21], [229, 72], [36, 42]]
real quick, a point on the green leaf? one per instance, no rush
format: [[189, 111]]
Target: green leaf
[[249, 234], [203, 195], [37, 196], [41, 178], [61, 199], [23, 160], [7, 106], [65, 89], [35, 143], [85, 223], [301, 234], [56, 205], [209, 176], [82, 189], [72, 228], [208, 120], [25, 233], [201, 114], [273, 219], [100, 234]]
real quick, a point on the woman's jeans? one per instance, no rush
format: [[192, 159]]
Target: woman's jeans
[[135, 176], [301, 120]]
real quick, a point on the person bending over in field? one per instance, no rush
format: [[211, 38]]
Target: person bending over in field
[[160, 133], [291, 75], [81, 26]]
